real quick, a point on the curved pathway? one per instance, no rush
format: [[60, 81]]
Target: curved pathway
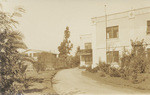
[[72, 82]]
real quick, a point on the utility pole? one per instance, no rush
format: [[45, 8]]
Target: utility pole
[[106, 31]]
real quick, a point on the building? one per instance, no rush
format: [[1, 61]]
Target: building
[[85, 50], [114, 32], [33, 53], [44, 57]]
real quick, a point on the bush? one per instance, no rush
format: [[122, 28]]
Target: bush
[[135, 62], [132, 64], [114, 72], [64, 62], [104, 67], [94, 70], [82, 67], [75, 61], [89, 68]]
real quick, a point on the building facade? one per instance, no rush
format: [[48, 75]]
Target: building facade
[[85, 50], [33, 53], [114, 32]]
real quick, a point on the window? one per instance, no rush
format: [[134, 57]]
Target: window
[[112, 32], [112, 56], [88, 46], [148, 27], [88, 58]]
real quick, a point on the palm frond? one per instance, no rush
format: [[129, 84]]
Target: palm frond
[[20, 9]]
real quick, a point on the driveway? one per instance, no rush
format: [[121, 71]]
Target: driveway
[[72, 82]]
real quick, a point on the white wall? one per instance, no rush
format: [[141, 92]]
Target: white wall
[[87, 38], [129, 28]]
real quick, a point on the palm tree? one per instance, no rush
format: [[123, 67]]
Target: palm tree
[[11, 60]]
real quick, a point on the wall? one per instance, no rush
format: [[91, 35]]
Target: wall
[[87, 38], [131, 26]]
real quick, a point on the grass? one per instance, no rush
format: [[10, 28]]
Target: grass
[[118, 81], [40, 83]]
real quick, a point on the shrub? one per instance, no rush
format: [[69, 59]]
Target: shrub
[[75, 61], [114, 72], [107, 69], [135, 62], [82, 67], [45, 61], [63, 62], [104, 67], [94, 70], [89, 68]]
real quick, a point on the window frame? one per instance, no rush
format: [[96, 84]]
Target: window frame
[[111, 30], [111, 56]]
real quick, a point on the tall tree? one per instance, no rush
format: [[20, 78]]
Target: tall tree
[[64, 50], [65, 46], [11, 60]]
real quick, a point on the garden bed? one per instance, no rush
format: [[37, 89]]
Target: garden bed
[[40, 83], [118, 81]]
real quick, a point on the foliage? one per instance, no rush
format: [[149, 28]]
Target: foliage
[[114, 72], [75, 60], [104, 67], [68, 62], [65, 46], [61, 62], [11, 61], [64, 60], [45, 60], [94, 70], [135, 62]]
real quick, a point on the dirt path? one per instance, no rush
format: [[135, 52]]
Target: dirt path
[[72, 82]]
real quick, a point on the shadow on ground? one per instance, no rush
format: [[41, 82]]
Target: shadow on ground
[[39, 83]]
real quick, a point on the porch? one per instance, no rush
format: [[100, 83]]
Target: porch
[[85, 57]]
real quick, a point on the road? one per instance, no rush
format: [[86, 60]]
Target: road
[[72, 82]]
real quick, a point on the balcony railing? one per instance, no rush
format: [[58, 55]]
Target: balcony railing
[[85, 52]]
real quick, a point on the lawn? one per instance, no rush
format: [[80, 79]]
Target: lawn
[[40, 83], [119, 82]]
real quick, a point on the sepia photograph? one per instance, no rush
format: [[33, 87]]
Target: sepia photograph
[[74, 47]]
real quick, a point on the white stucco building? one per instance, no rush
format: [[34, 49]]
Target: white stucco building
[[86, 50], [115, 31]]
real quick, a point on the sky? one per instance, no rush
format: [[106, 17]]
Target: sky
[[44, 22]]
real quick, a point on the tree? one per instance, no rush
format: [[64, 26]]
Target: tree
[[65, 47], [12, 66], [45, 60], [76, 58]]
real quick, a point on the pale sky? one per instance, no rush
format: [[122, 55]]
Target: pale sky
[[44, 22]]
